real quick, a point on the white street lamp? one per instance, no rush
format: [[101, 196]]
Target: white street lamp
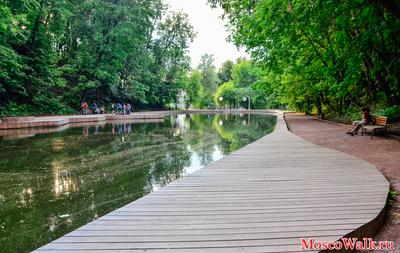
[[220, 100], [248, 99]]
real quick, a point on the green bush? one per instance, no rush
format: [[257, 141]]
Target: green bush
[[393, 112], [207, 102], [45, 105], [14, 109], [40, 106], [351, 114]]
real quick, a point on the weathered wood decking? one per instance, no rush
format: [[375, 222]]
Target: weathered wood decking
[[57, 121], [261, 198]]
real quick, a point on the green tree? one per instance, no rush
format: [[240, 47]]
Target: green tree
[[28, 71], [226, 95], [244, 73], [209, 74], [171, 60], [193, 89], [225, 72]]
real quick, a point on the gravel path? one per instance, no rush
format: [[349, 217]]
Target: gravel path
[[384, 153]]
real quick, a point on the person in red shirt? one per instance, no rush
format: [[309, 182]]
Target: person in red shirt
[[366, 120], [85, 108]]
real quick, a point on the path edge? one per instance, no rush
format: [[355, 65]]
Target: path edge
[[368, 230]]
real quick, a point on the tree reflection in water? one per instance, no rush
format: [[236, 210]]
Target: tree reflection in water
[[53, 183]]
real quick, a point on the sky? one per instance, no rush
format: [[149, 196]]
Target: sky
[[211, 32]]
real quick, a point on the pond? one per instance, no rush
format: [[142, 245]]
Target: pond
[[51, 184]]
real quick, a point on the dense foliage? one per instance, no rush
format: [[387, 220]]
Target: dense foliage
[[321, 55], [232, 86], [57, 53]]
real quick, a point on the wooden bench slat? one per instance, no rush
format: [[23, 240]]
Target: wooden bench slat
[[370, 127]]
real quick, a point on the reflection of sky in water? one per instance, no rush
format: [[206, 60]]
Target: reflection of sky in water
[[195, 162], [53, 183], [181, 126]]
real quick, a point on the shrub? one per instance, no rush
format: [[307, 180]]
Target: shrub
[[40, 105], [14, 109], [393, 112]]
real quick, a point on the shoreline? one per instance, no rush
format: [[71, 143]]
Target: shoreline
[[57, 121]]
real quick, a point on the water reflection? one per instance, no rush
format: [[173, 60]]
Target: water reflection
[[26, 196], [57, 144], [63, 181], [53, 183]]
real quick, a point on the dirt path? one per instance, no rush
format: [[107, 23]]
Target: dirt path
[[384, 153]]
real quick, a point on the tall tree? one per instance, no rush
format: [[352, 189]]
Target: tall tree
[[225, 72], [209, 74], [171, 61], [244, 73], [193, 89]]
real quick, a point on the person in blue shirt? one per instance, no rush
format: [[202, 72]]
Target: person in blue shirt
[[119, 108]]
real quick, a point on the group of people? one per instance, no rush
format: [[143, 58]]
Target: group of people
[[119, 108], [94, 109]]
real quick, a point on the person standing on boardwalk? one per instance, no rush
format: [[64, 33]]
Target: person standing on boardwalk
[[84, 108], [128, 108], [95, 108], [119, 108], [366, 120], [124, 109], [112, 108]]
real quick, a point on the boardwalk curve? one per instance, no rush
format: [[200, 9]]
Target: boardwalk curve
[[261, 198]]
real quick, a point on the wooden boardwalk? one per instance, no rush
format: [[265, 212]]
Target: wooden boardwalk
[[57, 121], [261, 198]]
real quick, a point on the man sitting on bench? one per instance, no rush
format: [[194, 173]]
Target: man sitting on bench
[[366, 120]]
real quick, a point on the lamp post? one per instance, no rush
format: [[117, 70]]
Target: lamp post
[[220, 100], [245, 97]]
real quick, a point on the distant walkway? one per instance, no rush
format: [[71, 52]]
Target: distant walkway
[[57, 121], [261, 198], [61, 120], [22, 127], [384, 153]]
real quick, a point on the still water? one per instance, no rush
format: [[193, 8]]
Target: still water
[[51, 184]]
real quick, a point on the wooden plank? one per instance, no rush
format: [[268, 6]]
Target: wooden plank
[[200, 238], [78, 245], [261, 198], [248, 249], [162, 233]]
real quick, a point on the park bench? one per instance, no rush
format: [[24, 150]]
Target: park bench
[[380, 125]]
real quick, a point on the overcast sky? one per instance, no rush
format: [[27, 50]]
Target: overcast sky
[[211, 32]]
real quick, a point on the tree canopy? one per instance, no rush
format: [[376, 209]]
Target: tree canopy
[[209, 74], [56, 54], [320, 56], [323, 55], [225, 72]]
